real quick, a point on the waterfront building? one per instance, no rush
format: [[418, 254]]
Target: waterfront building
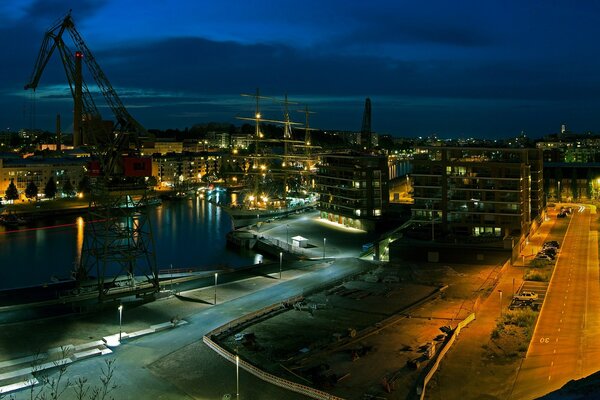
[[172, 169], [353, 189], [39, 170]]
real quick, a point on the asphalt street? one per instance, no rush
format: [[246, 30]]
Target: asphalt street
[[136, 380], [566, 341]]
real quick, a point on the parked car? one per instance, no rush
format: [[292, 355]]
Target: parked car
[[526, 296], [552, 243], [545, 257], [551, 251], [561, 215], [544, 254]]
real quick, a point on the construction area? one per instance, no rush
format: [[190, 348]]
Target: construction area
[[369, 337]]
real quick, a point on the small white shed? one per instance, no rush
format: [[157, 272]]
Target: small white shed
[[299, 241]]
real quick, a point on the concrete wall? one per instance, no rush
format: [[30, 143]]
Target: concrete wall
[[423, 251]]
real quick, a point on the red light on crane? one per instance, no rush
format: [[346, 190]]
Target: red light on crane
[[78, 54]]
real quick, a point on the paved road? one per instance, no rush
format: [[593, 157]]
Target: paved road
[[210, 377], [566, 341]]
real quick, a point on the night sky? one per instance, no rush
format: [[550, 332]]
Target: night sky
[[454, 68]]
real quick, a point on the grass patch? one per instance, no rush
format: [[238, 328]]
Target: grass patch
[[538, 275], [522, 318], [510, 338]]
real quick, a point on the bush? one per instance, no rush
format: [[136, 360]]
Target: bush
[[538, 276], [524, 318], [498, 330]]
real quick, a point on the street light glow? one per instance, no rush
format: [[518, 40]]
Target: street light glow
[[120, 308], [216, 276]]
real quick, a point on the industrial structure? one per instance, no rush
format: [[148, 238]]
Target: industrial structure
[[366, 134], [118, 252]]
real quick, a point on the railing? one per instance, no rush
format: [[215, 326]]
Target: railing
[[265, 376]]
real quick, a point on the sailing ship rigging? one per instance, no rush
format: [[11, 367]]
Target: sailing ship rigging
[[278, 171]]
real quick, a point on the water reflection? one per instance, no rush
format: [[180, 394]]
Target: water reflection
[[187, 234], [79, 241]]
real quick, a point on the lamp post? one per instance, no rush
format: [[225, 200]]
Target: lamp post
[[558, 195], [287, 237], [237, 376], [324, 244], [120, 320], [216, 275], [280, 262], [500, 291]]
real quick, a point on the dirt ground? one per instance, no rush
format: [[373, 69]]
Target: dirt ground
[[366, 336]]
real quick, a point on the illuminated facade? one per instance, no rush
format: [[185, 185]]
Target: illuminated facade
[[22, 171], [162, 147], [470, 192], [353, 189], [172, 169], [571, 168]]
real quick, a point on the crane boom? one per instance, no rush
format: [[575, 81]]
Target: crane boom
[[52, 37]]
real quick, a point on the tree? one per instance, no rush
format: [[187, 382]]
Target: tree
[[50, 189], [31, 191], [11, 193], [68, 189]]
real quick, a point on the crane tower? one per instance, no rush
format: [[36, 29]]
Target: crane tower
[[118, 257]]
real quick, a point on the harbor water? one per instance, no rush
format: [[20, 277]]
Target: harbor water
[[188, 233]]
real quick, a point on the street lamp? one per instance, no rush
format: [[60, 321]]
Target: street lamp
[[324, 244], [500, 291], [120, 320], [237, 376], [558, 195], [280, 262], [216, 275]]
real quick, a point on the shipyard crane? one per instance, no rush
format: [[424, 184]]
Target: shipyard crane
[[118, 249]]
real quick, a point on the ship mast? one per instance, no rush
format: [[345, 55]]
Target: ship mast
[[259, 158]]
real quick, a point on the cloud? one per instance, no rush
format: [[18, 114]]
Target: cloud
[[195, 65], [46, 11]]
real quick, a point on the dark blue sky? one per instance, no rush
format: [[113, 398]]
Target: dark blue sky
[[457, 69]]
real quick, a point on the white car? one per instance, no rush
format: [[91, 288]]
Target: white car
[[526, 296]]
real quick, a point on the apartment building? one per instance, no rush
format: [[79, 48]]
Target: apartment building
[[477, 192], [353, 189], [39, 170], [172, 169]]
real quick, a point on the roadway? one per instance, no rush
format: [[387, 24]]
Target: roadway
[[566, 341], [140, 370]]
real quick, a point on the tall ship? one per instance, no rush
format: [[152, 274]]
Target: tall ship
[[277, 170]]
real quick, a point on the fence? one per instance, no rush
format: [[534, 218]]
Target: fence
[[265, 376], [442, 353]]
